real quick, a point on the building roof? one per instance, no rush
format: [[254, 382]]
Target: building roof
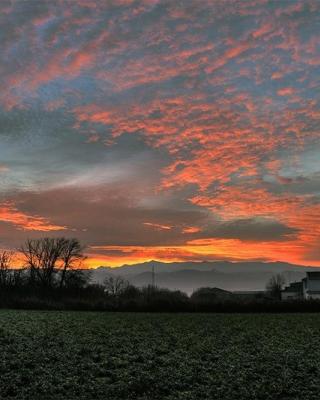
[[295, 287], [313, 275]]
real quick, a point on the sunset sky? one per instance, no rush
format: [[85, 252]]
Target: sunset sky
[[160, 129]]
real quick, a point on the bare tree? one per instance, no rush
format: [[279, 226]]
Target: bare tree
[[41, 256], [45, 257], [71, 256], [115, 285], [275, 285], [5, 268]]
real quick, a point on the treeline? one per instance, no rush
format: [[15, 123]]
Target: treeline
[[52, 278], [94, 297], [51, 275]]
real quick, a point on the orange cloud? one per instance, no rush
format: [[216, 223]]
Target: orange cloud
[[191, 229], [262, 30], [9, 213], [158, 226], [199, 250], [288, 91]]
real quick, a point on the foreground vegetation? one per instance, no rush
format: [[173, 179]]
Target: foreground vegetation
[[83, 355]]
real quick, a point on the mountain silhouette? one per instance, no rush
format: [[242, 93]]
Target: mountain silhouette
[[188, 276]]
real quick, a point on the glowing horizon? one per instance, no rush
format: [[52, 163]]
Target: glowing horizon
[[153, 129]]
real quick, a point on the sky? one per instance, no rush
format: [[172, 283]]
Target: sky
[[172, 130]]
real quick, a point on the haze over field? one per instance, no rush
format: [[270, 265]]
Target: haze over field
[[189, 276], [156, 129]]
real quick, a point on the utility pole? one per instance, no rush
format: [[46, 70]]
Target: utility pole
[[153, 277]]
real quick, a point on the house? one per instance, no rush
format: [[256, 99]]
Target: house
[[311, 286], [307, 288], [293, 292]]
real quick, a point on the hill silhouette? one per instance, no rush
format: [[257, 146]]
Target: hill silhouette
[[188, 276]]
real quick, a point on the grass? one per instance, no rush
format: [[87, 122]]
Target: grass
[[83, 355]]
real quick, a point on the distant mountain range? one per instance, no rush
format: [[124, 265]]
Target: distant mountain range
[[188, 276]]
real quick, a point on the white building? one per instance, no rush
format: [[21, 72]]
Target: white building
[[311, 286], [308, 288]]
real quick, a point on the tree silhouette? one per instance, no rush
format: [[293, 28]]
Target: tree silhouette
[[5, 270], [72, 253], [115, 285], [48, 256], [275, 285]]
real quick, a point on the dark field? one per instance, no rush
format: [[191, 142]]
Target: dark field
[[78, 355]]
